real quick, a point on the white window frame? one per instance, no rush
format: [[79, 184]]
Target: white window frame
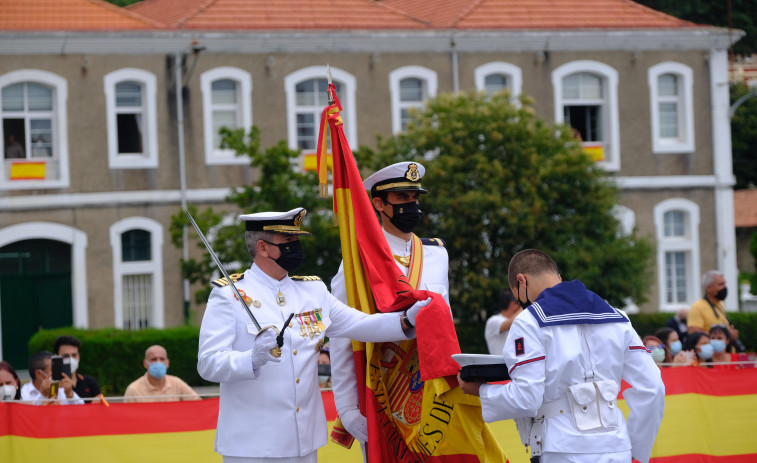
[[513, 73], [685, 141], [59, 128], [689, 244], [395, 77], [148, 159], [213, 155], [609, 77], [348, 85], [154, 266]]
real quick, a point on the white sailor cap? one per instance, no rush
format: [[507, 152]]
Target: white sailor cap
[[288, 223], [401, 176]]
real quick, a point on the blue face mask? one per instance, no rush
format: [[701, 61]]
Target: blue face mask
[[705, 351], [157, 370], [718, 345], [675, 347], [658, 354]]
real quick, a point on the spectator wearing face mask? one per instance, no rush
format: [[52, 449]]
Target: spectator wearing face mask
[[85, 386], [710, 310], [10, 386], [720, 337], [156, 385], [698, 344], [674, 353], [656, 347]]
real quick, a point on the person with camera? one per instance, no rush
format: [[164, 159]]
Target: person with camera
[[48, 387], [85, 386]]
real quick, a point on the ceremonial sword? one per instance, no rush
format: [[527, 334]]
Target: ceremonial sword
[[276, 351]]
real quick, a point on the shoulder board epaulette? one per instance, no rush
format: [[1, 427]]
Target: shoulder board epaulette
[[433, 242], [306, 278], [221, 282]]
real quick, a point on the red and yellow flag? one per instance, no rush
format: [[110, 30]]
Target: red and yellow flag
[[415, 410]]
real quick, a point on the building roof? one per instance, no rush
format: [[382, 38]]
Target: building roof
[[745, 208], [404, 14], [69, 15]]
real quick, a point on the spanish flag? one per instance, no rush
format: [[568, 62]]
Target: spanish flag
[[415, 410]]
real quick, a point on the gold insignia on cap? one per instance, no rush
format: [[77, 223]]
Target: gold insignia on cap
[[412, 173], [299, 217]]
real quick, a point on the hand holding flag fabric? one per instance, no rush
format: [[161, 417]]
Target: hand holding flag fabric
[[412, 312], [355, 423]]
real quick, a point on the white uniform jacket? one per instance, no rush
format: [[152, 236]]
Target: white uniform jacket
[[278, 412], [545, 360], [434, 278]]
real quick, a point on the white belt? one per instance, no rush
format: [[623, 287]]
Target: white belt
[[548, 410], [555, 408]]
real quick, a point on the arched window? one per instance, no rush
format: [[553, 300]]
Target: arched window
[[306, 97], [34, 130], [677, 225], [671, 104], [137, 244], [226, 102], [498, 76], [410, 88], [131, 116], [586, 98]]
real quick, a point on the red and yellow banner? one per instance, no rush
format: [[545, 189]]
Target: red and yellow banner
[[28, 170], [710, 417], [408, 391]]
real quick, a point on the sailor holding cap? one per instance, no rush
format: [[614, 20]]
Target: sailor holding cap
[[395, 191], [270, 407]]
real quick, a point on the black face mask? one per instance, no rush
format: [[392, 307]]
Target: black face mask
[[291, 256], [528, 302], [722, 294], [405, 216]]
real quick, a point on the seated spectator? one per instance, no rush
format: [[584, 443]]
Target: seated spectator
[[85, 386], [674, 353], [324, 358], [656, 348], [156, 385], [678, 324], [698, 344], [720, 338], [39, 389], [10, 385]]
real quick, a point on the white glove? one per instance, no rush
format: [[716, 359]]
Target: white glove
[[261, 350], [412, 312], [355, 424]]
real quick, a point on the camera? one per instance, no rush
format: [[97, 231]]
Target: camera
[[61, 365]]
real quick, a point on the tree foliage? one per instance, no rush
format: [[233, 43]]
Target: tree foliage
[[280, 187], [715, 13], [502, 180], [744, 137]]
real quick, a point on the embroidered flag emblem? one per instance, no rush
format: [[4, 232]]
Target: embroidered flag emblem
[[520, 346]]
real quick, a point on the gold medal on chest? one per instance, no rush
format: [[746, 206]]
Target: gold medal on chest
[[319, 345], [281, 299]]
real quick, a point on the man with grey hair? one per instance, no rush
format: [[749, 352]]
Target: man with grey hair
[[271, 408], [710, 310]]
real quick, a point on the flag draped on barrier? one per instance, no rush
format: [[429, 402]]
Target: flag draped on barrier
[[408, 390], [709, 418]]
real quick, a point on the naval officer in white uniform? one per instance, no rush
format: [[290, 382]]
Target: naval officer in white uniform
[[567, 354], [270, 407], [395, 191]]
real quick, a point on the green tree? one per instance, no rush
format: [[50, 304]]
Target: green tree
[[744, 137], [502, 180], [715, 13], [280, 187]]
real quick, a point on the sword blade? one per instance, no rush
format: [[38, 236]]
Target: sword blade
[[223, 271]]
